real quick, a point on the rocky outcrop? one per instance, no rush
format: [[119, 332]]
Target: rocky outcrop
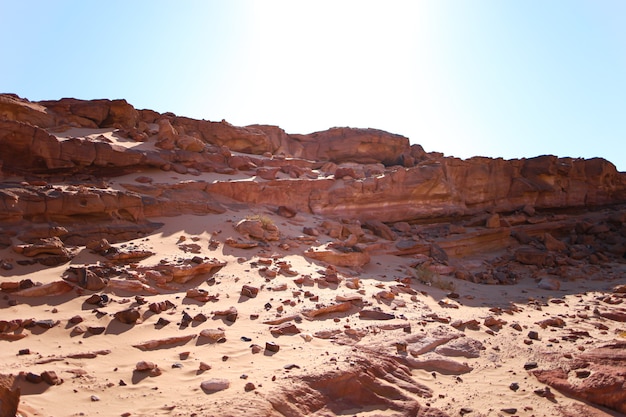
[[9, 396], [364, 146], [67, 203], [407, 183], [379, 383], [598, 376]]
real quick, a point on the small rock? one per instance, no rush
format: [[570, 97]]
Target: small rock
[[51, 378], [514, 386], [46, 324], [582, 373], [96, 329], [162, 322], [77, 331], [272, 347], [249, 291], [129, 316], [214, 335], [375, 315], [546, 393], [249, 387], [145, 366], [533, 335], [509, 410], [96, 299], [95, 398], [215, 384], [33, 378], [530, 365], [200, 318], [204, 366]]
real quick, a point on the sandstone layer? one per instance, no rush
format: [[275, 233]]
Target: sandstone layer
[[153, 264]]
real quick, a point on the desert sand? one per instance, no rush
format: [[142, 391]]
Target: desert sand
[[269, 328]]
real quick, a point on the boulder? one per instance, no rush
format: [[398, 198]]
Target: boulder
[[9, 393], [215, 385], [606, 383], [348, 258]]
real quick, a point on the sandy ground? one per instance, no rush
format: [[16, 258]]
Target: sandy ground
[[177, 391], [108, 385]]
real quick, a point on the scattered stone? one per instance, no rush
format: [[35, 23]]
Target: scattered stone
[[230, 314], [51, 378], [142, 366], [46, 324], [545, 393], [285, 329], [129, 316], [215, 385], [249, 291], [33, 378], [213, 334], [333, 308], [161, 306], [375, 315], [530, 365], [95, 330], [272, 347], [162, 322], [175, 340], [533, 335], [552, 322]]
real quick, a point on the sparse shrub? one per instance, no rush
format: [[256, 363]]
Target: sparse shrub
[[265, 220], [433, 279]]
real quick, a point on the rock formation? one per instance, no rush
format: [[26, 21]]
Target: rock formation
[[375, 225]]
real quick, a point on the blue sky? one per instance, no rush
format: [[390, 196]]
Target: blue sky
[[493, 78]]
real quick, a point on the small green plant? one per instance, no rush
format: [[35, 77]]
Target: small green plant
[[433, 279]]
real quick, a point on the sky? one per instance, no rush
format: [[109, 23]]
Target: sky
[[510, 79]]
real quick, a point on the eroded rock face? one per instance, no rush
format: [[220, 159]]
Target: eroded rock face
[[9, 396], [605, 384], [398, 183], [378, 383]]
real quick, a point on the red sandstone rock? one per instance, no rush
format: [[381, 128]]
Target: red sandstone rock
[[51, 289], [606, 385], [9, 394], [350, 259], [170, 341]]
